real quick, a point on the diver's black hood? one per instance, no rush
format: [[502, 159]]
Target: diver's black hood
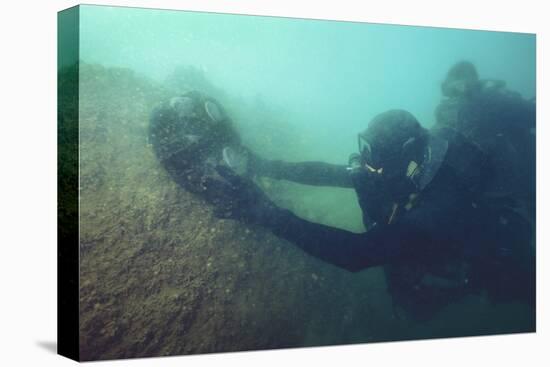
[[393, 139], [398, 158]]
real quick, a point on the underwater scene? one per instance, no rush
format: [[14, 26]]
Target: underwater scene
[[251, 183]]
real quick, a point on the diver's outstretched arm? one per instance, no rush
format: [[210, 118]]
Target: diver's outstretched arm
[[243, 200], [308, 173], [352, 251]]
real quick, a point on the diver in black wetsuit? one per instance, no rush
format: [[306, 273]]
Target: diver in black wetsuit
[[429, 224], [422, 193]]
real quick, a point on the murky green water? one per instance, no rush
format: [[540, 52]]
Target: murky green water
[[160, 274]]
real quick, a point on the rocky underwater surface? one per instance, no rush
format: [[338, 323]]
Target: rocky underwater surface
[[160, 275]]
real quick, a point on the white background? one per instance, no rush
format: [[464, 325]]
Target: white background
[[28, 183]]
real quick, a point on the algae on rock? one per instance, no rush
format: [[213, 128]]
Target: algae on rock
[[160, 275]]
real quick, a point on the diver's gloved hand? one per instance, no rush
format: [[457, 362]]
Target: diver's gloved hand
[[241, 160], [244, 200]]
